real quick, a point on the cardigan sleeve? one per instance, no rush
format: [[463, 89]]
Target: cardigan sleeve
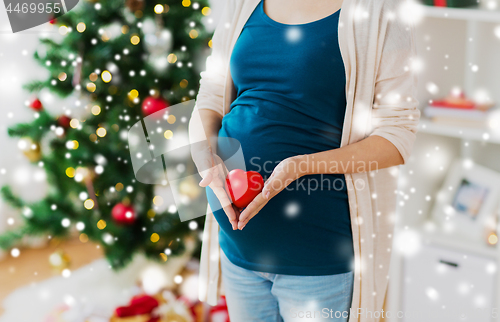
[[212, 81], [395, 114]]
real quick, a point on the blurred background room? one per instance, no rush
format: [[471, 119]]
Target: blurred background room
[[82, 240]]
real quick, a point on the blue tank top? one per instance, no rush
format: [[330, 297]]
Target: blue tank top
[[290, 83]]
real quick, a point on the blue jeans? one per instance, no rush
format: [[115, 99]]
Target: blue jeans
[[266, 297]]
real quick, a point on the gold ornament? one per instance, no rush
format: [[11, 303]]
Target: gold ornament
[[135, 318], [30, 149], [135, 5], [59, 261], [173, 316]]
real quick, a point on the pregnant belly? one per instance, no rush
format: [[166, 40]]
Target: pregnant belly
[[313, 210], [266, 141]]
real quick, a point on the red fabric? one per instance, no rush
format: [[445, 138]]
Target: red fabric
[[141, 304], [144, 300], [189, 304], [154, 319], [464, 104], [220, 307], [440, 3]]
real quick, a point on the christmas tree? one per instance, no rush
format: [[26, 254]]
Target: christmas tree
[[118, 61]]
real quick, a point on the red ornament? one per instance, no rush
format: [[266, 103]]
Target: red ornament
[[123, 215], [52, 20], [440, 3], [141, 304], [64, 121], [36, 104], [244, 186], [153, 104]]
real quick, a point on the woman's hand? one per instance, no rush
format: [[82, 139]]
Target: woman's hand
[[286, 172], [213, 172]]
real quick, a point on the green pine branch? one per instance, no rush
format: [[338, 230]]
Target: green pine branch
[[13, 200], [12, 237], [34, 130]]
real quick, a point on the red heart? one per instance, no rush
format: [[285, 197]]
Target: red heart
[[244, 186]]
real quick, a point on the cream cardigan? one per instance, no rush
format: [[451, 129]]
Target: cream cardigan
[[377, 49]]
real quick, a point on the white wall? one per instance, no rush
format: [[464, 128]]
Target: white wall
[[17, 68]]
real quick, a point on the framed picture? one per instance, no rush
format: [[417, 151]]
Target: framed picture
[[469, 198], [467, 203]]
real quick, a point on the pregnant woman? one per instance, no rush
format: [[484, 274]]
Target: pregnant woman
[[320, 98]]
